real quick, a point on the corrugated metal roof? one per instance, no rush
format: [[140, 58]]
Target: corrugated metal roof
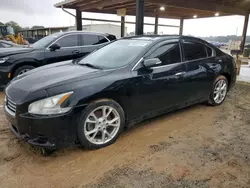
[[173, 8]]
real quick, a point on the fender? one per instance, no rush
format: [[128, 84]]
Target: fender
[[24, 61]]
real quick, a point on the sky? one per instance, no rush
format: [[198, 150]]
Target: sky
[[42, 12]]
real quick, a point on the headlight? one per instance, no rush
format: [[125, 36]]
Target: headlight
[[3, 59], [49, 106]]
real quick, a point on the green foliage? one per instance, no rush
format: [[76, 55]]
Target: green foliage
[[37, 27], [15, 26]]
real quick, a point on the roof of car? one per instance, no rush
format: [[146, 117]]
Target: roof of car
[[152, 37], [84, 32], [158, 38]]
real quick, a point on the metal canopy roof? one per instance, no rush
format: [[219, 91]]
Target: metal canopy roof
[[173, 8]]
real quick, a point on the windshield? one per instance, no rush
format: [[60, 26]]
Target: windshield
[[116, 54], [45, 41]]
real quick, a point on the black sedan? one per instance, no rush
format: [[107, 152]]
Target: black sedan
[[92, 100]]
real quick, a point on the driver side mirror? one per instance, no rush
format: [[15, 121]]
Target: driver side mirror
[[151, 62], [54, 47]]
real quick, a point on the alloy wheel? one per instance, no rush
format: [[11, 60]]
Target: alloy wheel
[[102, 125], [23, 71], [220, 91]]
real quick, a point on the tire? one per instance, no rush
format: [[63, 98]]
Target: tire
[[47, 152], [22, 70], [94, 123], [214, 100]]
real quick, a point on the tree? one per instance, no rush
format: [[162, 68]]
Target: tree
[[15, 26], [1, 23], [37, 27]]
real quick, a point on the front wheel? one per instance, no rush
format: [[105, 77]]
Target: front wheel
[[100, 124], [23, 69], [219, 91], [47, 152]]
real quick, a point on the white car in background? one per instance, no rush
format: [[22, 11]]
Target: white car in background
[[8, 44]]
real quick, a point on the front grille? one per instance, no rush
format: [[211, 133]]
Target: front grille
[[11, 105]]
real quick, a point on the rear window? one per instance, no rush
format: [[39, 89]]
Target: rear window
[[194, 51], [111, 37], [90, 39], [102, 39]]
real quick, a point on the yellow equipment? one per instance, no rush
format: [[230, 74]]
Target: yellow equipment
[[7, 33]]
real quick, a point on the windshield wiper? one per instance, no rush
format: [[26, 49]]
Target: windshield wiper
[[91, 66]]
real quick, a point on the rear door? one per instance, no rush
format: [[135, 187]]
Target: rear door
[[92, 42], [201, 62], [70, 49]]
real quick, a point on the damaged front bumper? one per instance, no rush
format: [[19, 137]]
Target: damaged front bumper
[[50, 132]]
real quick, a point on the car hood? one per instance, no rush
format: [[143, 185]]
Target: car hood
[[14, 50], [54, 75]]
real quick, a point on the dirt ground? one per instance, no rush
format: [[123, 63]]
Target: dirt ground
[[197, 147]]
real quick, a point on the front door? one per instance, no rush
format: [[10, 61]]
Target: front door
[[163, 86], [70, 49]]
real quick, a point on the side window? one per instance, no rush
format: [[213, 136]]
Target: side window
[[194, 51], [102, 39], [68, 41], [168, 54], [209, 52], [90, 39]]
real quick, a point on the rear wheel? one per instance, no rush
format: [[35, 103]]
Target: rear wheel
[[100, 124], [219, 91], [23, 69]]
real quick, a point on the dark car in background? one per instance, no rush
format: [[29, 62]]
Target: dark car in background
[[217, 44], [91, 101], [51, 49]]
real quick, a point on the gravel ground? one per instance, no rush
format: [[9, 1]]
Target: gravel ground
[[197, 147]]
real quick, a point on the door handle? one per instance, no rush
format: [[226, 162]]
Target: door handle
[[180, 73], [75, 52]]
